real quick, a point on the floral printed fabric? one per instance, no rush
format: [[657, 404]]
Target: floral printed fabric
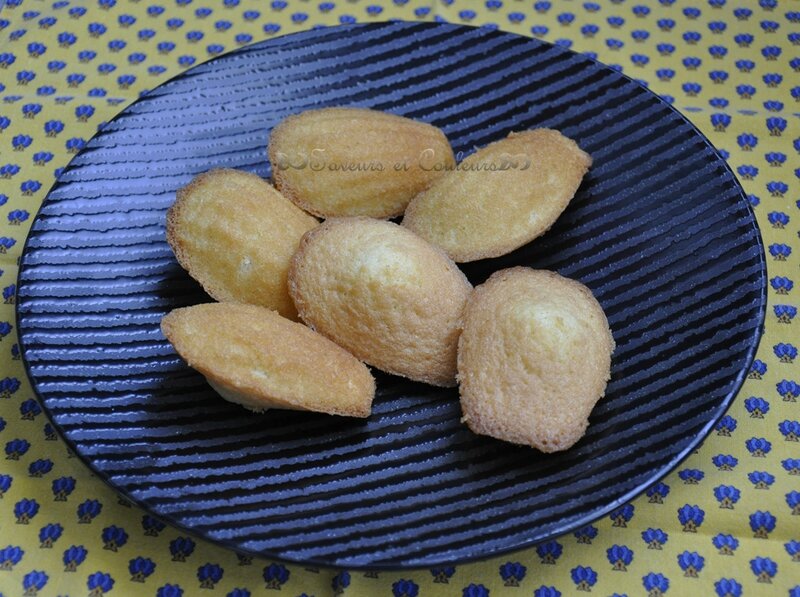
[[726, 523]]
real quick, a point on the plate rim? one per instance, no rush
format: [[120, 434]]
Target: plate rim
[[560, 530]]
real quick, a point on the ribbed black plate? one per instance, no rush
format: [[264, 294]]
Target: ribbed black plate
[[660, 231]]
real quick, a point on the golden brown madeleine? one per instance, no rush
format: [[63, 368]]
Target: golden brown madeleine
[[533, 359], [254, 357], [235, 234], [501, 197], [354, 162], [384, 294]]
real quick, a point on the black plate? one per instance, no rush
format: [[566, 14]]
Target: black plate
[[660, 231]]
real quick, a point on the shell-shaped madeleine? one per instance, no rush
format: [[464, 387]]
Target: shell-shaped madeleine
[[533, 358], [336, 162], [235, 234], [254, 357], [384, 294], [501, 197]]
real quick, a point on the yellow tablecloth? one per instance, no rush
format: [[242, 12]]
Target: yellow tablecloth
[[727, 522]]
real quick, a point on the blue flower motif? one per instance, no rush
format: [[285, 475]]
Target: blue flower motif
[[657, 493], [665, 74], [34, 581], [10, 556], [114, 537], [620, 557], [73, 557], [666, 24], [16, 448], [756, 406], [786, 388], [727, 496], [88, 510], [775, 158], [764, 569], [762, 523], [691, 563], [99, 583], [584, 577], [655, 584], [25, 509], [512, 573], [442, 574], [761, 479], [62, 488], [726, 544], [474, 590], [549, 552], [401, 588], [342, 580], [728, 587], [622, 515], [169, 590], [790, 430], [276, 575], [49, 534], [691, 476], [40, 467], [209, 575], [140, 568]]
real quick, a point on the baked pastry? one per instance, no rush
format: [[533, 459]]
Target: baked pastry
[[501, 197], [235, 234], [384, 294], [533, 358], [337, 162], [254, 357]]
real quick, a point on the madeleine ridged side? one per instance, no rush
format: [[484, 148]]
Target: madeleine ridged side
[[501, 197], [235, 234], [252, 356]]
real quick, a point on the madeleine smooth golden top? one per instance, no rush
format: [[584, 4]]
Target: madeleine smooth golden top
[[501, 197], [384, 294], [254, 357], [533, 359], [337, 162]]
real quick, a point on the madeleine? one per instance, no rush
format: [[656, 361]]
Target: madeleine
[[384, 294], [235, 234], [254, 357], [338, 162], [533, 359], [501, 197]]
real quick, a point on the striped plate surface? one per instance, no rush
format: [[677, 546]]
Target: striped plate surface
[[660, 231]]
